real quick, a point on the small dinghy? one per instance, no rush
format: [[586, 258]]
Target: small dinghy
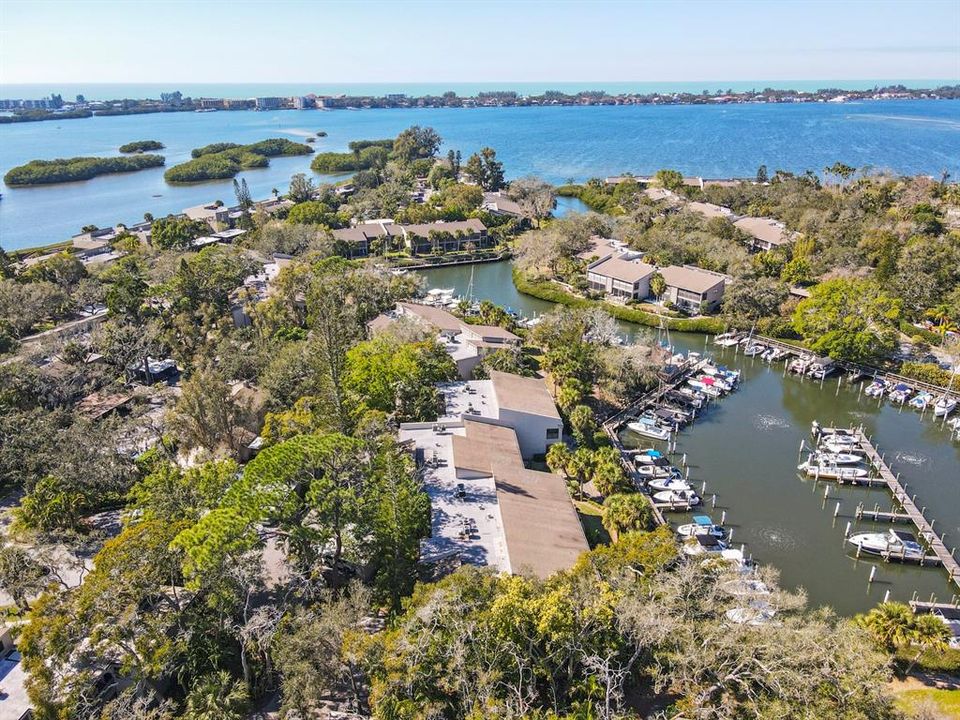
[[892, 545], [679, 498], [701, 525]]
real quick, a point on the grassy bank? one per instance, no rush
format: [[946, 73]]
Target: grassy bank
[[553, 293]]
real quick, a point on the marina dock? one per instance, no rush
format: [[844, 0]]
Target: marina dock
[[940, 554]]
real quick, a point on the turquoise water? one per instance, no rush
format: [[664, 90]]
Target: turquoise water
[[557, 143], [114, 91], [745, 448]]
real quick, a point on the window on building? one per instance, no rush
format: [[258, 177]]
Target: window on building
[[553, 433]]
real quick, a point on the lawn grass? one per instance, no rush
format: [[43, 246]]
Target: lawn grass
[[947, 702], [591, 515]]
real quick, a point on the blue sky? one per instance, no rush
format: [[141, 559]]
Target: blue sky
[[294, 41]]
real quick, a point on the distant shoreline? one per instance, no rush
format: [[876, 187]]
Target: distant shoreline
[[56, 108]]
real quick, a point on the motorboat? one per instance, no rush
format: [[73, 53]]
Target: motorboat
[[693, 396], [921, 400], [799, 365], [701, 525], [651, 472], [671, 482], [708, 389], [679, 498], [892, 544], [775, 354], [649, 457], [876, 389], [722, 372], [836, 447], [900, 393], [727, 339], [754, 349], [672, 416], [703, 545], [831, 472], [651, 431], [945, 405], [683, 400], [837, 458], [954, 424], [717, 382]]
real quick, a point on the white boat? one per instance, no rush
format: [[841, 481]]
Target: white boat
[[831, 472], [651, 431], [701, 525], [722, 372], [835, 447], [944, 406], [651, 472], [648, 456], [694, 397], [754, 349], [672, 482], [900, 393], [921, 400], [728, 339], [703, 545], [837, 458], [710, 390], [799, 365], [876, 389], [954, 424], [680, 498], [774, 354], [717, 381], [893, 544]]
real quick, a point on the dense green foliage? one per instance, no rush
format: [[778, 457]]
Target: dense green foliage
[[139, 146], [43, 172], [224, 160], [364, 157]]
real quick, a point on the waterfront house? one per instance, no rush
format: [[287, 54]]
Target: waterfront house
[[497, 203], [601, 248], [211, 213], [693, 289], [765, 233], [356, 241], [620, 277], [445, 236], [487, 507], [709, 210], [465, 343]]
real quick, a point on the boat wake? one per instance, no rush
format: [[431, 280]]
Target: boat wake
[[777, 537], [909, 459], [952, 124], [766, 422]]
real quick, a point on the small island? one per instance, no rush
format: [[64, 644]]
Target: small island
[[219, 161], [61, 170], [363, 155], [139, 146]]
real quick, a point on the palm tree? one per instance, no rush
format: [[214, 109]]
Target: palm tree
[[217, 696], [890, 623], [929, 633], [558, 458], [624, 512]]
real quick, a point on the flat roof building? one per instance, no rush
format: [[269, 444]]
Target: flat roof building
[[465, 343], [487, 508]]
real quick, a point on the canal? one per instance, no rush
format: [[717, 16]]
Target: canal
[[745, 447]]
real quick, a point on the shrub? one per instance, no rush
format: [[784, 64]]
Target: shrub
[[926, 372]]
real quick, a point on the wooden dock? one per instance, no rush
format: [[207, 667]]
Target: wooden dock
[[927, 534]]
